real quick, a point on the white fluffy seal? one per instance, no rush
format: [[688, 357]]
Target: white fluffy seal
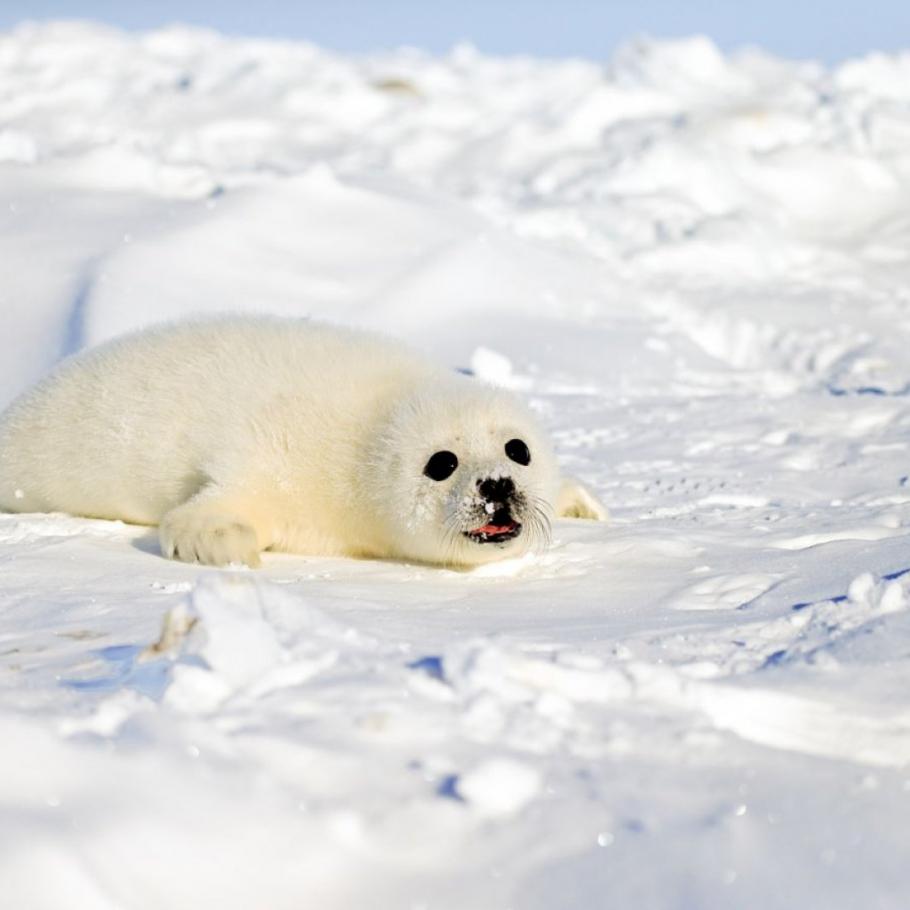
[[247, 434]]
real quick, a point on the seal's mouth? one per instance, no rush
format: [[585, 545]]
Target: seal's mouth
[[495, 533]]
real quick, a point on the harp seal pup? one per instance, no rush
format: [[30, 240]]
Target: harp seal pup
[[243, 434]]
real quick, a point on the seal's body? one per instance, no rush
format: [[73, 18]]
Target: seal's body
[[244, 434]]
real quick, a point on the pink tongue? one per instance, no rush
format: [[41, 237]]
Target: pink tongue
[[494, 529]]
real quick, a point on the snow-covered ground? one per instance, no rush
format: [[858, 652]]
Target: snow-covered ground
[[696, 268]]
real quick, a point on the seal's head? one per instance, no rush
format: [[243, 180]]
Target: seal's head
[[463, 476]]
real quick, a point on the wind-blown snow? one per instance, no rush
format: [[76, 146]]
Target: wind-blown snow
[[697, 270]]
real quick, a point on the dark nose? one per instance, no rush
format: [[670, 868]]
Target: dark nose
[[498, 490]]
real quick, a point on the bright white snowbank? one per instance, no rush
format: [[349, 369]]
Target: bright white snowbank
[[696, 269]]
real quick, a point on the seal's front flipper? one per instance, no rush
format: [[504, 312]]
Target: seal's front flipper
[[208, 530], [577, 501]]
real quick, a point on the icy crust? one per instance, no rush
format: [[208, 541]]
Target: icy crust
[[695, 268], [353, 742]]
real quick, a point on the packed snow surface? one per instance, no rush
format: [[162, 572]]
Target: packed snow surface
[[695, 267]]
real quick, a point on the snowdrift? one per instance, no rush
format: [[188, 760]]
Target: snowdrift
[[694, 267]]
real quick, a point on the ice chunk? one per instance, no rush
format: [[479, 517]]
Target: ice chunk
[[500, 787]]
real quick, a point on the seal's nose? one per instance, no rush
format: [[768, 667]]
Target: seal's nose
[[496, 490]]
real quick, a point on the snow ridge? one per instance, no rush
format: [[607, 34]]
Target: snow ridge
[[694, 266]]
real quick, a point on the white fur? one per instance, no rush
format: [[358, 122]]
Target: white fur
[[245, 434]]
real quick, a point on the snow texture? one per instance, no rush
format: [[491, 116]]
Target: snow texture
[[695, 268]]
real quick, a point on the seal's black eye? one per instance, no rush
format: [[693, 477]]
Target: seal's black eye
[[518, 451], [441, 465]]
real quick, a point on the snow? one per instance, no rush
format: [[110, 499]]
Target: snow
[[695, 269]]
